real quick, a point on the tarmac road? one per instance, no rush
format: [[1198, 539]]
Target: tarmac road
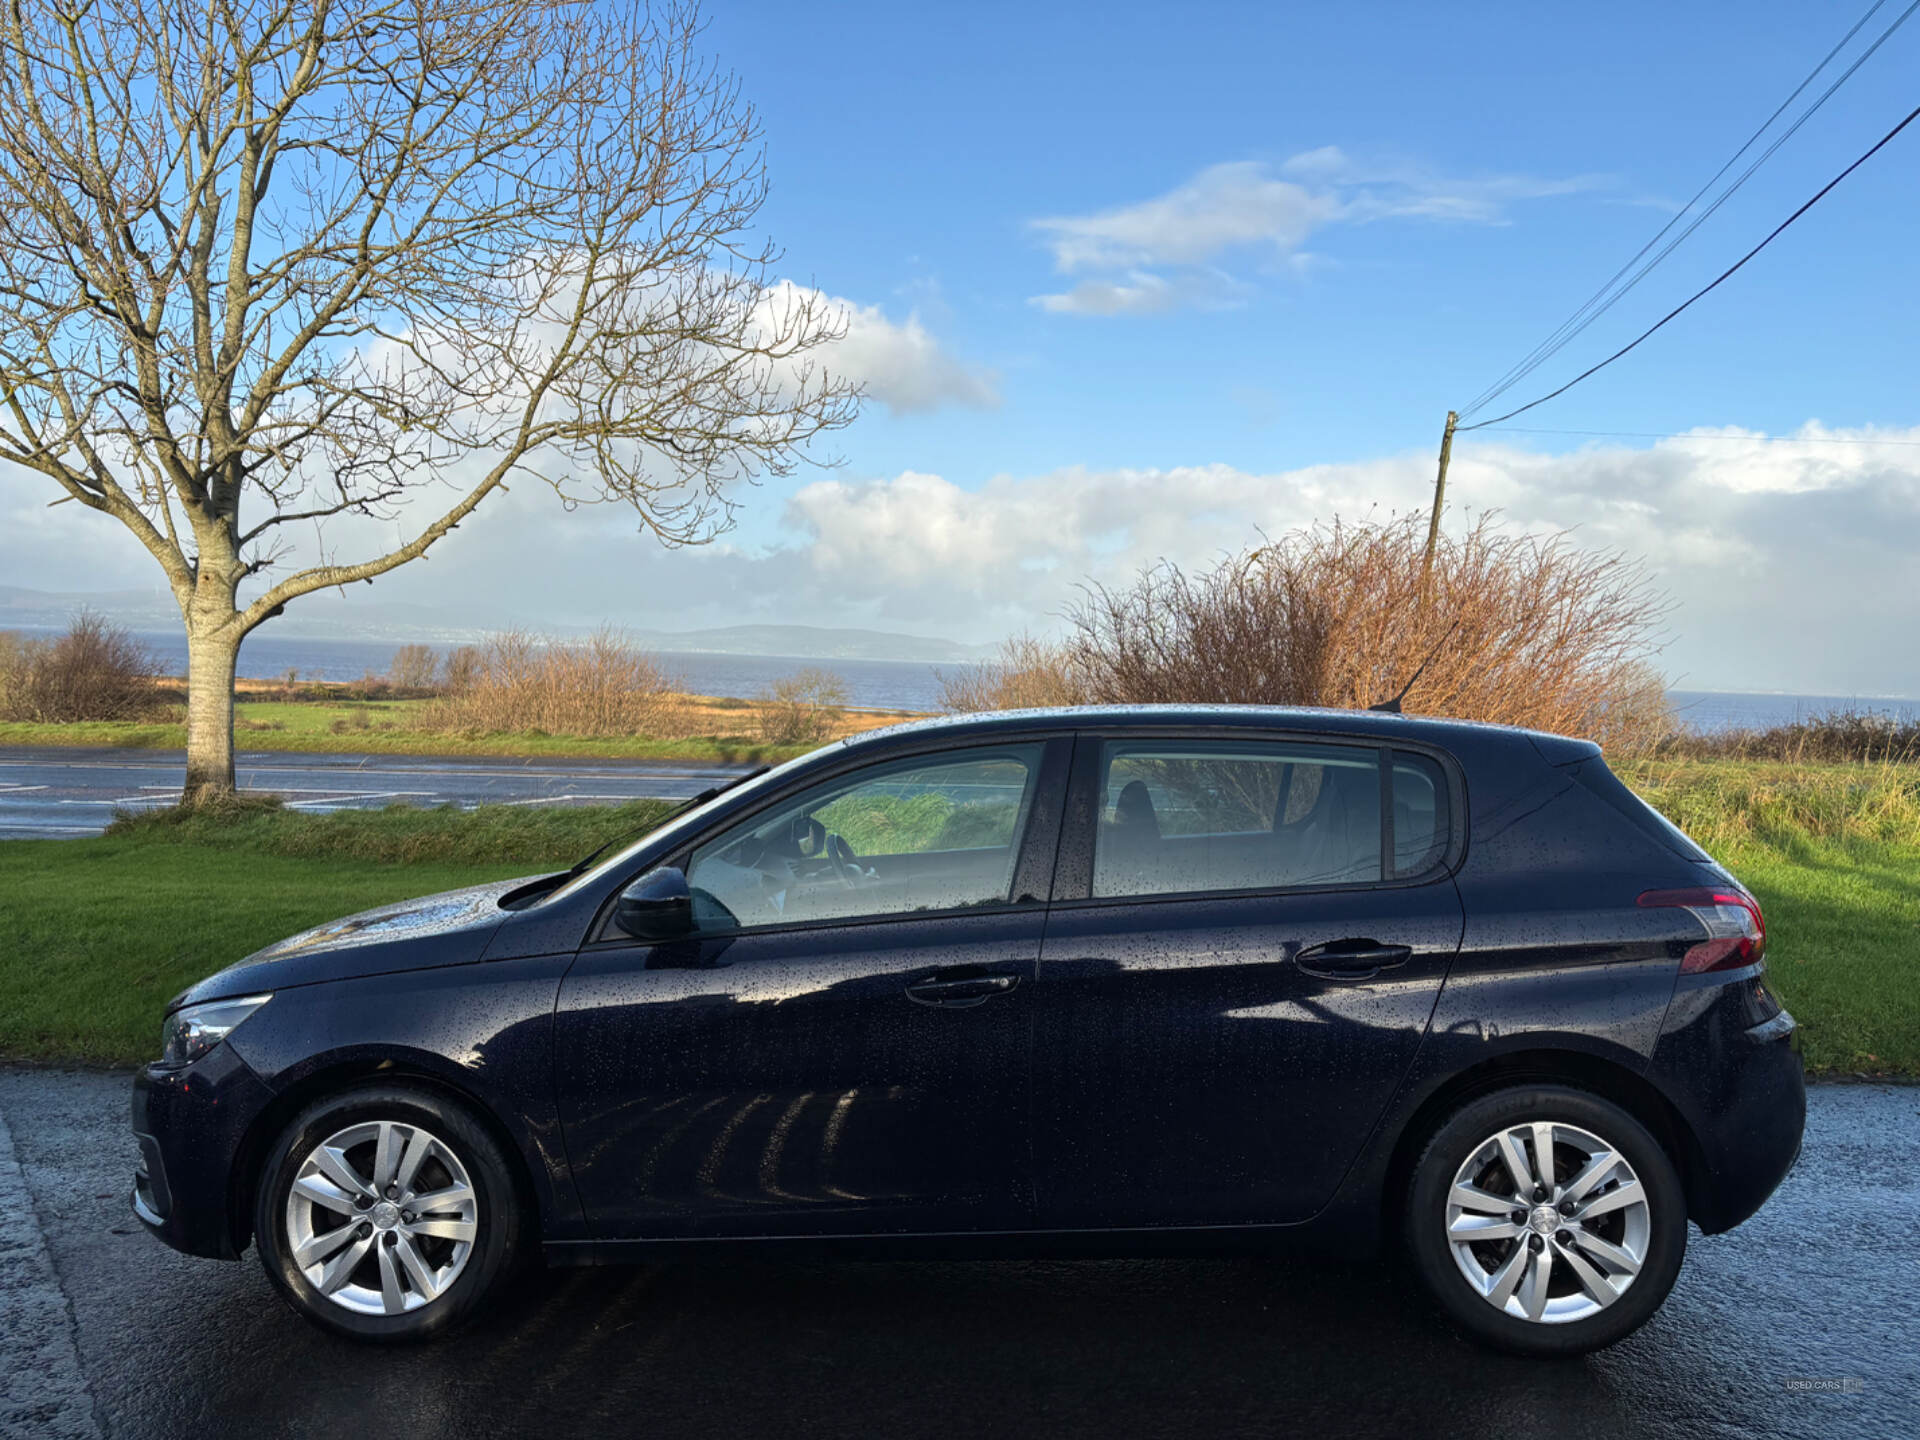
[[106, 1332], [55, 794]]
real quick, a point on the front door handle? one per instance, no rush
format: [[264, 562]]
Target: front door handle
[[959, 992], [1351, 959]]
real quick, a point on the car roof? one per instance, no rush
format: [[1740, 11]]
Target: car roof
[[1384, 725]]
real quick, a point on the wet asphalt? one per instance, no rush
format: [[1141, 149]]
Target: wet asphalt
[[108, 1333], [55, 793]]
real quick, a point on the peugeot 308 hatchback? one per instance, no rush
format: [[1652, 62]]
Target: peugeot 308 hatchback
[[1125, 979]]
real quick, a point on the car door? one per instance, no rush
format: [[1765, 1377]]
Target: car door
[[841, 1044], [1243, 953]]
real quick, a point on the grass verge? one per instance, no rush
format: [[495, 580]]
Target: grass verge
[[101, 932]]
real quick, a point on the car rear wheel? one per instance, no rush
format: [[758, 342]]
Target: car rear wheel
[[1546, 1220], [386, 1213]]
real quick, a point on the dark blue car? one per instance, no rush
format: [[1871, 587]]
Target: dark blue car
[[1082, 981]]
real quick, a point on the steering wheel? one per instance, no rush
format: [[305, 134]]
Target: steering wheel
[[841, 855]]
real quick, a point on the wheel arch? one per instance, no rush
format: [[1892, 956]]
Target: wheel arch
[[1579, 1069], [357, 1072]]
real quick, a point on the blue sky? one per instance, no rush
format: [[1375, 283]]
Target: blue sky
[[1280, 241], [912, 153]]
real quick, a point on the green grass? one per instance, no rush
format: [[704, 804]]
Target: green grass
[[101, 932], [1833, 853], [386, 727], [532, 837], [1843, 947]]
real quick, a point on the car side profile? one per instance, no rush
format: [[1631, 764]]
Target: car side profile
[[1100, 980]]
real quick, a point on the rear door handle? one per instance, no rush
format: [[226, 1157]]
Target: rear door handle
[[959, 992], [1351, 959]]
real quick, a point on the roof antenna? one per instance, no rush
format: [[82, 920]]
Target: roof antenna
[[1392, 707]]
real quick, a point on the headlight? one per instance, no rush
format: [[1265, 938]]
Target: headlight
[[193, 1030]]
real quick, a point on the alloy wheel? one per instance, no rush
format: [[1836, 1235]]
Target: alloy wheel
[[381, 1217], [1548, 1222]]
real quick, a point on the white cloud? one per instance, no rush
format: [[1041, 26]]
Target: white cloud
[[1222, 208], [1141, 292], [1794, 566], [1245, 207], [901, 364]]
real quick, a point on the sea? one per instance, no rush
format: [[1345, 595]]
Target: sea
[[915, 685]]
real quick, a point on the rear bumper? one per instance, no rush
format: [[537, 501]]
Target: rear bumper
[[189, 1125], [1726, 1060]]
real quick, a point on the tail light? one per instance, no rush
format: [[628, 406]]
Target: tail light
[[1736, 933]]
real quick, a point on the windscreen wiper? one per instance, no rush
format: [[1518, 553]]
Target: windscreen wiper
[[711, 793]]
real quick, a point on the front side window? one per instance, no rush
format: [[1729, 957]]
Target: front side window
[[1179, 818], [934, 833]]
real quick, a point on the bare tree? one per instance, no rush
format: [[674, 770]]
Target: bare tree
[[413, 667], [266, 265]]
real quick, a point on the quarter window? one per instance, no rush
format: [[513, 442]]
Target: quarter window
[[1420, 822], [1179, 818], [934, 833]]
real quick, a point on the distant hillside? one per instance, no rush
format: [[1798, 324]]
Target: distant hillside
[[151, 610], [810, 641], [135, 609]]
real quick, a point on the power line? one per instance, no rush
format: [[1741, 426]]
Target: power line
[[1608, 295], [1693, 435], [1713, 285]]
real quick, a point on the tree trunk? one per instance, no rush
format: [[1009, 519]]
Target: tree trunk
[[211, 657]]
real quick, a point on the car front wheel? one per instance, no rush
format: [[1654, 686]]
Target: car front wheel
[[1546, 1220], [386, 1213]]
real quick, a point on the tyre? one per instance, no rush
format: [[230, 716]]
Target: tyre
[[1546, 1221], [387, 1213]]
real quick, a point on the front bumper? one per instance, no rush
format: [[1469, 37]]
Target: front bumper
[[1726, 1060], [191, 1125]]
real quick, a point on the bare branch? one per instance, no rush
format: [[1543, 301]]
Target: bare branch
[[262, 265]]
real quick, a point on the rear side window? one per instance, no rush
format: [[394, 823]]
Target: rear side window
[[1596, 777], [1421, 822], [1189, 817]]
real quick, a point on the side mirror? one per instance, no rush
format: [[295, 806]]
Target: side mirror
[[657, 906]]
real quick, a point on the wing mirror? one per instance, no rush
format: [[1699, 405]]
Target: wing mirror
[[808, 835], [657, 906]]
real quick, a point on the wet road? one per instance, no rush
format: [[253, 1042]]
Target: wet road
[[1821, 1285], [53, 794]]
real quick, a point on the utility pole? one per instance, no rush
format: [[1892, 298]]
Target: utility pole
[[1439, 499]]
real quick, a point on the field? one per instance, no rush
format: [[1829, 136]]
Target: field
[[695, 728], [103, 931]]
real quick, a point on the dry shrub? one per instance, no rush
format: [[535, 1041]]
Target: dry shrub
[[16, 652], [1512, 628], [413, 667], [803, 708], [460, 672], [95, 671], [1027, 674], [601, 686]]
